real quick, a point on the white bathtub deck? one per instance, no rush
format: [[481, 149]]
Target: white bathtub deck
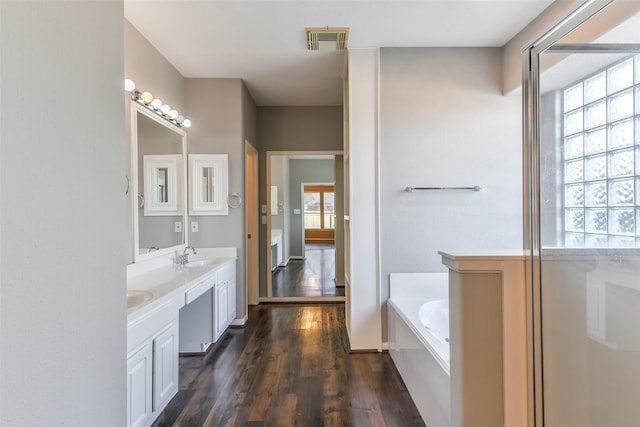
[[424, 371]]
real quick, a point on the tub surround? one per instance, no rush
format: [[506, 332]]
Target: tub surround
[[409, 292], [482, 378], [421, 358], [489, 339]]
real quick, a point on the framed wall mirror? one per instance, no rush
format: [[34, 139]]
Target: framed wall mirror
[[159, 172], [209, 184]]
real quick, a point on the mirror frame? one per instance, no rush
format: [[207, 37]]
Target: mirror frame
[[220, 165], [137, 256], [152, 163]]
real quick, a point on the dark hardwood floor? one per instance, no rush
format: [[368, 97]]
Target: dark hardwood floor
[[290, 366], [313, 276]]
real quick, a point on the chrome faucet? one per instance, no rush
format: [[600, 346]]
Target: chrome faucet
[[153, 248], [184, 258]]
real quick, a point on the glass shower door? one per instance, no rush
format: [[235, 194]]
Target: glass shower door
[[587, 236]]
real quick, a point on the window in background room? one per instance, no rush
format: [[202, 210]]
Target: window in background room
[[319, 213]]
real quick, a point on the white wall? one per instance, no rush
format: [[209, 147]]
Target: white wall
[[363, 314], [444, 122], [63, 281]]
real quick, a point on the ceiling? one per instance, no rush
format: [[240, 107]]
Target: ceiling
[[263, 42]]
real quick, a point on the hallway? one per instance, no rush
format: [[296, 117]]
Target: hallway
[[313, 276], [290, 366]]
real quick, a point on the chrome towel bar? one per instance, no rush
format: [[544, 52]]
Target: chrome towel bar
[[475, 188]]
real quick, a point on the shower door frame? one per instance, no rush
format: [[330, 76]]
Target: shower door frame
[[531, 174]]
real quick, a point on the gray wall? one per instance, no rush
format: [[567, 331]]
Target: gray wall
[[151, 72], [444, 122], [282, 221], [307, 172], [62, 210], [221, 127], [278, 180], [293, 129], [249, 118]]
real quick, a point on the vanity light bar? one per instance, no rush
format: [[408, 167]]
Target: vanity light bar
[[156, 105]]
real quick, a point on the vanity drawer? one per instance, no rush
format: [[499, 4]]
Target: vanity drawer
[[199, 289], [145, 327]]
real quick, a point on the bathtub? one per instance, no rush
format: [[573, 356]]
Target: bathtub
[[418, 329]]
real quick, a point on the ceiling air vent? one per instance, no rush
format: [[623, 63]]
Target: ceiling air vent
[[327, 38]]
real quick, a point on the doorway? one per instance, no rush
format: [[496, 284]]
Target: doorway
[[583, 159], [304, 242]]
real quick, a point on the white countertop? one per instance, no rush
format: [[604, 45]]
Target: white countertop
[[167, 280], [485, 255]]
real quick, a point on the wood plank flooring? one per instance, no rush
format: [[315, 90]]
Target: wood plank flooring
[[313, 276], [290, 367]]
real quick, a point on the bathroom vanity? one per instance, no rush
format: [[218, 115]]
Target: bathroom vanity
[[179, 299], [160, 298]]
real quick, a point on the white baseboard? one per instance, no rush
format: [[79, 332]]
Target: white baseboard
[[240, 322], [385, 345]]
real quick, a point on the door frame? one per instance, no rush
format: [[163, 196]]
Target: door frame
[[267, 242], [252, 245]]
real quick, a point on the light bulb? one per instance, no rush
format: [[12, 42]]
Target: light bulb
[[165, 109], [179, 119], [146, 97], [156, 104], [186, 123], [173, 114], [129, 85]]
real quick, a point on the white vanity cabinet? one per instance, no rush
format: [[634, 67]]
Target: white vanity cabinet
[[139, 383], [189, 307], [152, 364], [165, 367], [225, 298], [221, 311]]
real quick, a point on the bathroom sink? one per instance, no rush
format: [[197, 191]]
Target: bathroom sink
[[202, 262], [135, 298]]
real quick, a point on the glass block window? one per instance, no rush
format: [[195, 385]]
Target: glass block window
[[601, 158]]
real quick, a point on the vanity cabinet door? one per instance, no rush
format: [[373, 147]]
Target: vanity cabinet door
[[221, 309], [165, 366], [139, 383], [231, 301], [227, 277]]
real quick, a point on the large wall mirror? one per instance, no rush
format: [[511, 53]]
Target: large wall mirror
[[158, 153]]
